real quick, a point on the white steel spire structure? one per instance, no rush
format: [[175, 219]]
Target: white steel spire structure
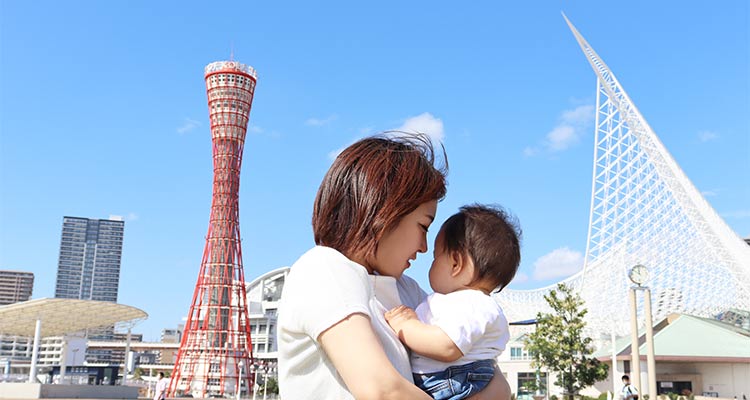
[[645, 210]]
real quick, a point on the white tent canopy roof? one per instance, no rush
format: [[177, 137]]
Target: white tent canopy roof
[[61, 316]]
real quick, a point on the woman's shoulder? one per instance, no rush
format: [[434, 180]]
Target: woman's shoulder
[[322, 262], [320, 256]]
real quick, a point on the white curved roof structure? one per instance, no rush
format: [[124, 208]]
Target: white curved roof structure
[[645, 210], [61, 316], [265, 289]]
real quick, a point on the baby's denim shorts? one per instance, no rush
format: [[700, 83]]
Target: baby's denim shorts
[[458, 382]]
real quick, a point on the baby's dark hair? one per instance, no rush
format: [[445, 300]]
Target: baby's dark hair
[[491, 237]]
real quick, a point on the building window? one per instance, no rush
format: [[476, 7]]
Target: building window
[[214, 367], [519, 353], [526, 381]]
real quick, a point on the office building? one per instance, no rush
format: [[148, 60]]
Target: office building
[[170, 336]]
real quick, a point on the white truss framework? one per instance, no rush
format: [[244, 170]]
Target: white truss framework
[[644, 210]]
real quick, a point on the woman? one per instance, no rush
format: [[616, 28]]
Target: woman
[[370, 219]]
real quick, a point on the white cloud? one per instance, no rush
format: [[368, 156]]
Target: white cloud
[[707, 136], [132, 216], [520, 278], [736, 214], [188, 126], [573, 124], [560, 138], [530, 151], [581, 115], [335, 153], [424, 123], [561, 262], [710, 193], [321, 121], [254, 129]]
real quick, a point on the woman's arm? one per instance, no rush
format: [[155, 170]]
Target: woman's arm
[[359, 358]]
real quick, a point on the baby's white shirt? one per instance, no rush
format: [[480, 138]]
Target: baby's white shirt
[[474, 322]]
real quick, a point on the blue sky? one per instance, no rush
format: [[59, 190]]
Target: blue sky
[[103, 112]]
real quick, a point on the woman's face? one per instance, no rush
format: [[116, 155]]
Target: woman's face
[[398, 247]]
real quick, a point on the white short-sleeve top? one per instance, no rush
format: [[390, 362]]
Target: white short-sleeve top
[[324, 287], [472, 319]]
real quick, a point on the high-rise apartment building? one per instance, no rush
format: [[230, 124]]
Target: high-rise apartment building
[[89, 263], [89, 268], [15, 286]]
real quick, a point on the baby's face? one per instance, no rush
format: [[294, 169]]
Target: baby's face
[[441, 278]]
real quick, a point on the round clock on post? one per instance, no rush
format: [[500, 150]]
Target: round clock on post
[[638, 274]]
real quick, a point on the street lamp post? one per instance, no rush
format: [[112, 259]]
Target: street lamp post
[[650, 355], [265, 381], [639, 275], [255, 380], [239, 379]]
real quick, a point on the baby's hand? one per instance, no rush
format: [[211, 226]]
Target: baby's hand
[[399, 315]]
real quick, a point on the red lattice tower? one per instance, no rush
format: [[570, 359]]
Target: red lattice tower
[[215, 351]]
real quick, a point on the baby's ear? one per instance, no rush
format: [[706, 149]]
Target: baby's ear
[[460, 262]]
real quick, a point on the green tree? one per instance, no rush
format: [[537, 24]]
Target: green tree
[[137, 373], [558, 343], [273, 386]]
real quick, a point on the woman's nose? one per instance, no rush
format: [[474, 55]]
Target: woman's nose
[[423, 245]]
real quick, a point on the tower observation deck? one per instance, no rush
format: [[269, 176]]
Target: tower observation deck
[[215, 347]]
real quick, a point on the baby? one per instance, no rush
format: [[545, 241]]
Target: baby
[[456, 334]]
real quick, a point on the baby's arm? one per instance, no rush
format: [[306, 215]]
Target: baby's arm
[[426, 340]]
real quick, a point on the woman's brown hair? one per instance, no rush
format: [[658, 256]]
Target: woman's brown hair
[[371, 185]]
